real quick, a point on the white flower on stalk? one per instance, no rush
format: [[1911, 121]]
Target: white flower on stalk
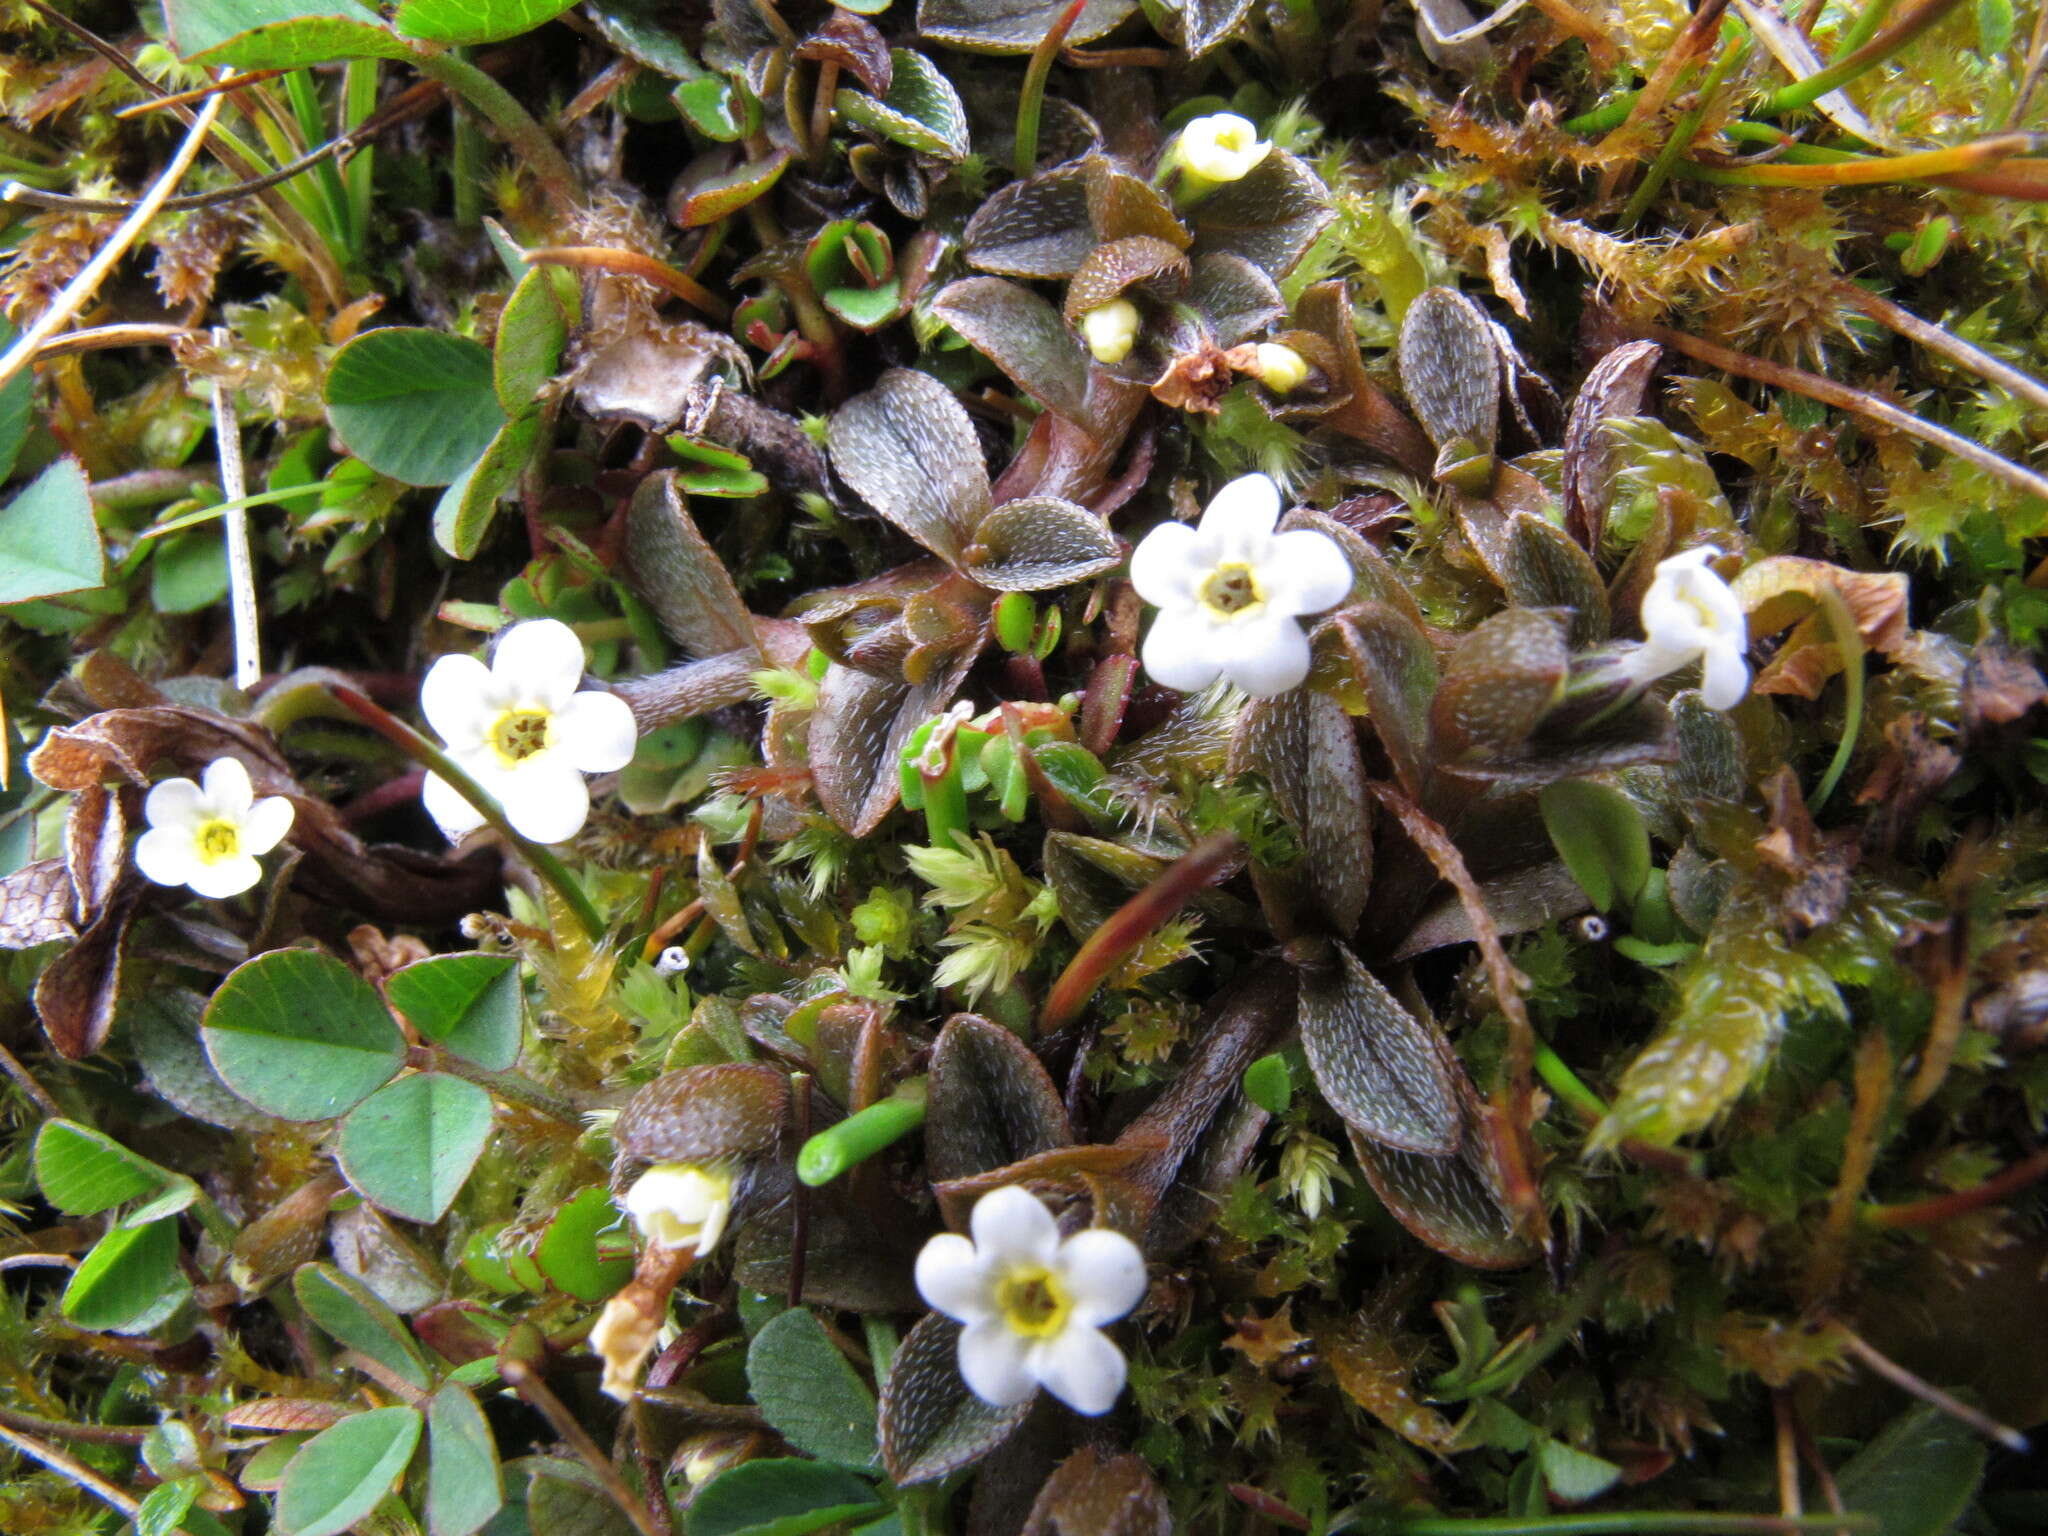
[[1111, 330], [522, 731], [1034, 1305], [682, 1205], [1228, 593], [208, 835], [1690, 614], [1219, 148]]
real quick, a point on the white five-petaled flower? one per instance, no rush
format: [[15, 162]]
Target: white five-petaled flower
[[680, 1205], [1034, 1305], [1228, 593], [522, 731], [208, 835], [1111, 330], [1690, 614], [1219, 148]]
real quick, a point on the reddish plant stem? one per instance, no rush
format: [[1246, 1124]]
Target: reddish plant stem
[[1210, 860], [1935, 1210]]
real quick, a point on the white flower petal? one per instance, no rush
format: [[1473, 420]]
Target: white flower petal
[[266, 824], [228, 792], [542, 659], [545, 799], [455, 816], [1104, 1274], [992, 1363], [1240, 518], [1724, 677], [713, 1227], [1267, 657], [460, 700], [1167, 566], [596, 732], [224, 877], [175, 804], [1305, 572], [1183, 650], [166, 855], [1012, 1224], [951, 1279], [1081, 1368]]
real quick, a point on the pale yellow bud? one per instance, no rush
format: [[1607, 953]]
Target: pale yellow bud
[[1111, 331], [1280, 368]]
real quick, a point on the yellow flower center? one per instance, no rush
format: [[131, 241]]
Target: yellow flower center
[[519, 734], [1236, 137], [1033, 1301], [217, 840], [1231, 590]]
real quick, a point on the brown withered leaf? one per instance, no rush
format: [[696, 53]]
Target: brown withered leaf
[[990, 1102], [1784, 591], [76, 994], [1450, 1203], [1264, 1340], [1374, 1376], [36, 905], [1096, 1495], [1999, 686], [1909, 769], [1197, 379], [1816, 866]]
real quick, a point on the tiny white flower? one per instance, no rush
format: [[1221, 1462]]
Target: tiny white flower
[[1279, 367], [1690, 614], [1111, 330], [208, 835], [680, 1205], [672, 961], [1034, 1306], [522, 731], [1228, 593], [1222, 147]]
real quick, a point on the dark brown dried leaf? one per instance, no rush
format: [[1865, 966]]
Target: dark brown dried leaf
[[990, 1102], [1023, 335], [1035, 228]]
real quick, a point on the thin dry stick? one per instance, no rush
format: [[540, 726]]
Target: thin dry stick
[[227, 434], [1945, 343], [78, 292], [99, 337], [70, 1466], [62, 1429], [16, 192], [525, 1380], [1927, 1392], [1789, 1504], [1855, 401], [1859, 1155]]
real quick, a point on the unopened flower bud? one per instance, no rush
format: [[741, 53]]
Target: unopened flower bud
[[1210, 151], [1280, 368], [1111, 331]]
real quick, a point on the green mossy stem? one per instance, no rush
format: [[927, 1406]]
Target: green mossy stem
[[543, 860], [860, 1136], [1804, 93]]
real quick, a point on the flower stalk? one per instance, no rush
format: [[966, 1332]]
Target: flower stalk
[[543, 860], [863, 1134]]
